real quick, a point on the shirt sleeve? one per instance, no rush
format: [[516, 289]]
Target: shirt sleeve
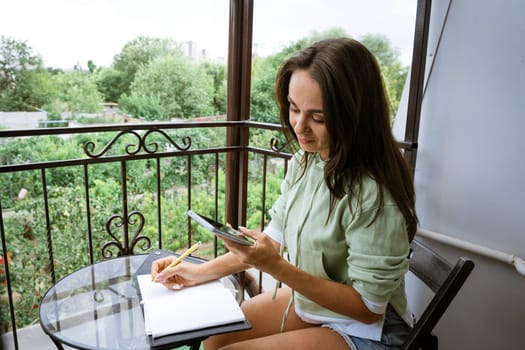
[[377, 253], [274, 234], [277, 212]]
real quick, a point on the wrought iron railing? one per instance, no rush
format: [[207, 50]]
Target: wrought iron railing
[[125, 194]]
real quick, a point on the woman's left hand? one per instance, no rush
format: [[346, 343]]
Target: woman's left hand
[[262, 255]]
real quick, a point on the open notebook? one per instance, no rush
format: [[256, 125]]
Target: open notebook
[[192, 308], [175, 315]]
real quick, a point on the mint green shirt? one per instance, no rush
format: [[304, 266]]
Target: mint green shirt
[[370, 258]]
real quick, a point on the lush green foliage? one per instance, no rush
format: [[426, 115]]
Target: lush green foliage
[[151, 78], [25, 85], [394, 73], [217, 72], [75, 92], [139, 52], [109, 83], [262, 104], [170, 87], [22, 77], [25, 222]]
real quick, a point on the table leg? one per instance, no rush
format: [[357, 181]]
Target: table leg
[[57, 343]]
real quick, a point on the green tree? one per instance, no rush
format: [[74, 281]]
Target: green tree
[[217, 72], [263, 106], [170, 87], [262, 100], [138, 53], [91, 66], [76, 92], [380, 46], [23, 80], [394, 73], [109, 82]]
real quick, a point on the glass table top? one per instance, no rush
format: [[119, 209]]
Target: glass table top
[[97, 307]]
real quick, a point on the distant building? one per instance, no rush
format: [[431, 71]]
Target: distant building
[[21, 120]]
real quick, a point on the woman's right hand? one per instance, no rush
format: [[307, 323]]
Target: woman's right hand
[[183, 275]]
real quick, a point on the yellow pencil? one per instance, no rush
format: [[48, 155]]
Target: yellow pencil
[[177, 261]]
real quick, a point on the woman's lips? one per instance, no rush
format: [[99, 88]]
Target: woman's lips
[[303, 140]]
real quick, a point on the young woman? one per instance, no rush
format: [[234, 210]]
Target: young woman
[[345, 215]]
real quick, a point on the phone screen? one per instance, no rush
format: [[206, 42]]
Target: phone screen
[[220, 229]]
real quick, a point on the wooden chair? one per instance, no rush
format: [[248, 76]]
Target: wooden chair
[[445, 280]]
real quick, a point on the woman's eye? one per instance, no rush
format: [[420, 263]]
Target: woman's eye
[[318, 118]]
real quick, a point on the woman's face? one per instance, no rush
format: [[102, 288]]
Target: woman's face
[[306, 113]]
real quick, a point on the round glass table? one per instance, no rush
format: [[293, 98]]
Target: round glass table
[[98, 307]]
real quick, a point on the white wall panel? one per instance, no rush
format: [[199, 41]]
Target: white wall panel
[[470, 172]]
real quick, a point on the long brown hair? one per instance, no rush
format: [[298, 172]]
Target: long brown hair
[[357, 117]]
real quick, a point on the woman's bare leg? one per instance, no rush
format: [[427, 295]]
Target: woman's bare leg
[[313, 338], [265, 316]]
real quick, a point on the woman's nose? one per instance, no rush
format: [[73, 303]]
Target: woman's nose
[[301, 124]]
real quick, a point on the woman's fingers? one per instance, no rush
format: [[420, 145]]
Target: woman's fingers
[[159, 265]]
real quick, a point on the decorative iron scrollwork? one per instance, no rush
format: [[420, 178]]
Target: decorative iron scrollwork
[[89, 146], [126, 247], [98, 296], [141, 143], [137, 237], [275, 144], [186, 141]]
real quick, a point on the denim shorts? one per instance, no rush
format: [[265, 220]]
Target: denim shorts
[[395, 332]]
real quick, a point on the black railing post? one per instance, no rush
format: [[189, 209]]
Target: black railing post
[[125, 217], [88, 214], [49, 237], [238, 108], [8, 281]]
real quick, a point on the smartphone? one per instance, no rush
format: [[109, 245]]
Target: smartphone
[[220, 229]]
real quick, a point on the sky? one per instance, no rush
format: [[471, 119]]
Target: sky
[[71, 32]]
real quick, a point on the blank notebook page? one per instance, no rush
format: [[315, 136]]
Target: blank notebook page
[[191, 308]]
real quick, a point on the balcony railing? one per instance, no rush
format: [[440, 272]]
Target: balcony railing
[[127, 193]]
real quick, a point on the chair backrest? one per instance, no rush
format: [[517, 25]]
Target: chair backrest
[[445, 280]]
